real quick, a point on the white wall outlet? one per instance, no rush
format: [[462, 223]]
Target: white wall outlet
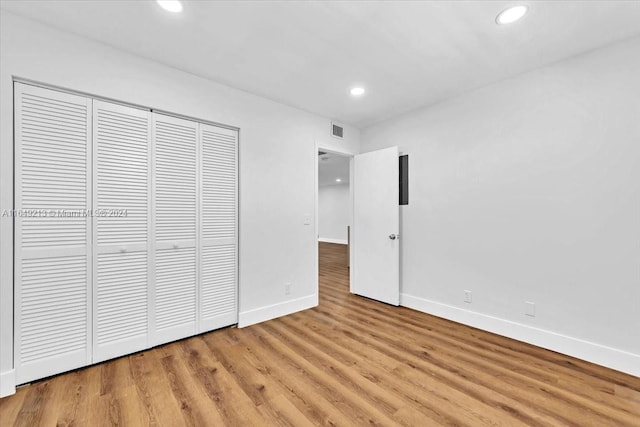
[[467, 297], [287, 288], [530, 308]]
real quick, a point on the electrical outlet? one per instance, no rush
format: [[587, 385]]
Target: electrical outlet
[[307, 219], [467, 297], [530, 308], [287, 288]]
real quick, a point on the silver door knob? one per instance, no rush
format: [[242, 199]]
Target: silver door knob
[[392, 236]]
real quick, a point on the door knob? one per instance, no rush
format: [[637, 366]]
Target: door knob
[[392, 236]]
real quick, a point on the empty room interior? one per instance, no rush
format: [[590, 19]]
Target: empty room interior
[[303, 213]]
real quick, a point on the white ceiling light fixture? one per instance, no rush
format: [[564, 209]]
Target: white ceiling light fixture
[[357, 91], [173, 6], [338, 180], [512, 14]]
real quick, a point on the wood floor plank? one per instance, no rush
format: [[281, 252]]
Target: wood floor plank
[[284, 412], [350, 361], [306, 399], [194, 408], [233, 404], [154, 389], [252, 382], [34, 405], [131, 408], [10, 406], [202, 368], [374, 399], [355, 410]]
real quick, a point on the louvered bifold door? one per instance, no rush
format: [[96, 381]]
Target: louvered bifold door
[[122, 198], [52, 232], [218, 254], [175, 153]]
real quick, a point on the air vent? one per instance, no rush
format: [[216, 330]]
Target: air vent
[[337, 131]]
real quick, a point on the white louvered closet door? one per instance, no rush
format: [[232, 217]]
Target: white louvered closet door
[[121, 228], [175, 198], [52, 233], [218, 254]]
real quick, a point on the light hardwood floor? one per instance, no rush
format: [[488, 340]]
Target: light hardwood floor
[[350, 361]]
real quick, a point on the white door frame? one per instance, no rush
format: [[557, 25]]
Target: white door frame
[[344, 153]]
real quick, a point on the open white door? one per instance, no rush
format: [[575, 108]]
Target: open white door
[[376, 223]]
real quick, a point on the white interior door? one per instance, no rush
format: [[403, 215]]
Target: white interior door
[[52, 232], [122, 193], [376, 223], [175, 207], [218, 228]]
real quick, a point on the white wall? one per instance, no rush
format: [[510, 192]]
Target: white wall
[[333, 213], [278, 157], [529, 190]]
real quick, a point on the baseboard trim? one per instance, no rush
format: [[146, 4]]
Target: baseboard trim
[[262, 314], [329, 240], [7, 383], [585, 350]]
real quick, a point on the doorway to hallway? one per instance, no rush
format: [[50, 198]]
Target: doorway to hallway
[[334, 217]]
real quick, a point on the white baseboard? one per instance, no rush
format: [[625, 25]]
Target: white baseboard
[[262, 314], [7, 383], [591, 352], [329, 240]]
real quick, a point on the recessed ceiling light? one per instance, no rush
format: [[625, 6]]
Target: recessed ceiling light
[[338, 180], [173, 6], [511, 14], [357, 91]]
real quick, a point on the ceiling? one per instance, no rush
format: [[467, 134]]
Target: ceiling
[[308, 54], [331, 167]]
